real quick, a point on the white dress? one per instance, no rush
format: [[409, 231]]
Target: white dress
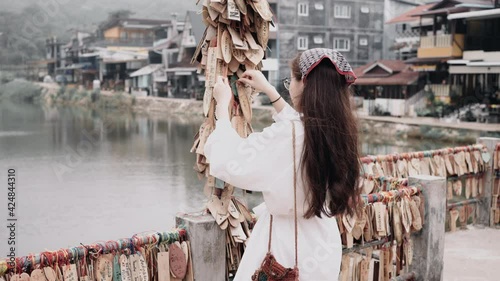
[[263, 162]]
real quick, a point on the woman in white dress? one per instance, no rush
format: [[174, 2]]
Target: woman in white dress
[[326, 157]]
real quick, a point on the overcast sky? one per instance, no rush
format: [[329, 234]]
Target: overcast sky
[[96, 10]]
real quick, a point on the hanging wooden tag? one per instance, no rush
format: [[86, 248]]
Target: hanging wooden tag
[[485, 155], [397, 225], [212, 13], [252, 44], [453, 220], [479, 160], [468, 161], [468, 190], [459, 163], [449, 190], [218, 6], [211, 67], [457, 187], [125, 269], [37, 275], [221, 69], [117, 274], [364, 266], [411, 168], [189, 273], [415, 213], [232, 11], [377, 170], [15, 277], [213, 205], [143, 268], [263, 9], [84, 274], [473, 162], [368, 186], [424, 166], [408, 251], [233, 211], [59, 275], [402, 168], [163, 266], [368, 230], [379, 209], [69, 272], [204, 134], [226, 46], [177, 261], [25, 277], [407, 209], [135, 267], [239, 55], [242, 6], [50, 274], [349, 222], [207, 98], [244, 93], [449, 166], [381, 266], [262, 27], [104, 268]]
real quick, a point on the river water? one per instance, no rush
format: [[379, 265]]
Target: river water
[[85, 176]]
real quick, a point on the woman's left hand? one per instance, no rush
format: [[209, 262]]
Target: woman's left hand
[[222, 92]]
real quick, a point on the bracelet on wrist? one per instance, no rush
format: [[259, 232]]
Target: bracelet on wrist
[[276, 100]]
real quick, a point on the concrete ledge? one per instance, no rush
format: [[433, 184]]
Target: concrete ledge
[[208, 246]]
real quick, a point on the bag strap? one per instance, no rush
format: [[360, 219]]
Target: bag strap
[[294, 203]]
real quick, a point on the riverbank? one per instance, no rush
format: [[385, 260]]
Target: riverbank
[[370, 126]]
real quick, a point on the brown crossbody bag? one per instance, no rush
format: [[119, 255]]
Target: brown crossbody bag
[[270, 269]]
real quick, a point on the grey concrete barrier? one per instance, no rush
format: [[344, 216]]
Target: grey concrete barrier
[[428, 243], [208, 246]]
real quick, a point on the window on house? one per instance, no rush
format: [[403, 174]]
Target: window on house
[[303, 9], [318, 39], [319, 6], [365, 9], [363, 41], [341, 44], [302, 43], [342, 11]]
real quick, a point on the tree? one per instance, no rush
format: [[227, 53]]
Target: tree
[[120, 14]]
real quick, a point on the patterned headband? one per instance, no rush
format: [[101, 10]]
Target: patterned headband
[[311, 58]]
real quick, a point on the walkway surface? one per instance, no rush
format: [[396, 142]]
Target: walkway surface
[[435, 122], [472, 255]]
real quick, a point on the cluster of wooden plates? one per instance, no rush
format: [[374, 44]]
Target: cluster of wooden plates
[[235, 40]]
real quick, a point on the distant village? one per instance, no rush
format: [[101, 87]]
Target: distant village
[[440, 59]]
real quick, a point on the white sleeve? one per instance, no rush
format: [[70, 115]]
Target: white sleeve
[[253, 163]]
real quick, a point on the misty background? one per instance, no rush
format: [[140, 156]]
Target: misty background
[[26, 24]]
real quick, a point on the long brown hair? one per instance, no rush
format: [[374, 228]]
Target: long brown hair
[[330, 160]]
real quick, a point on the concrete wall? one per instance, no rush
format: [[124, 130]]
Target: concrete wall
[[395, 106], [323, 24], [393, 9]]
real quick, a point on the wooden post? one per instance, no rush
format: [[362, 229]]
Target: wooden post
[[485, 215], [208, 246], [428, 244]]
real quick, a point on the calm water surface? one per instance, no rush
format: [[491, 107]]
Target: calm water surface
[[85, 176]]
